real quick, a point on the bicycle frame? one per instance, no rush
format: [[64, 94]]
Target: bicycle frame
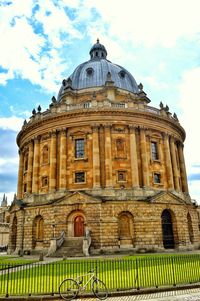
[[79, 280]]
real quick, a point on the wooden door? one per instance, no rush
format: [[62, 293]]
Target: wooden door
[[79, 226]]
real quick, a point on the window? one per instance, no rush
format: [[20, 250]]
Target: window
[[89, 71], [25, 188], [79, 148], [80, 177], [157, 178], [154, 151], [45, 155], [45, 181], [26, 162], [87, 105], [121, 176]]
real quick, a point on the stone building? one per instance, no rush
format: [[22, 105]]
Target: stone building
[[4, 223], [102, 170]]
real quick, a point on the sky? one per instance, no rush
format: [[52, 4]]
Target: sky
[[41, 43]]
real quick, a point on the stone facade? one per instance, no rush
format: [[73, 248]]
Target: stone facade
[[101, 159], [4, 223]]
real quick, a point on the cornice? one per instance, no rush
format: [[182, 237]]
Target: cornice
[[105, 112]]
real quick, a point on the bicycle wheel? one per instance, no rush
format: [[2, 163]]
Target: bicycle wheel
[[68, 289], [99, 289]]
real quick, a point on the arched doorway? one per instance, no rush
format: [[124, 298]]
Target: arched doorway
[[14, 234], [125, 229], [190, 228], [167, 230], [79, 226], [38, 231]]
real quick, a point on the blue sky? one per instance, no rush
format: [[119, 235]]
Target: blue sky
[[42, 42]]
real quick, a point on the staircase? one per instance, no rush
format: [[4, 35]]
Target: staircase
[[71, 247]]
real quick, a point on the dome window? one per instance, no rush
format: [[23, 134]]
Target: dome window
[[89, 71], [122, 74]]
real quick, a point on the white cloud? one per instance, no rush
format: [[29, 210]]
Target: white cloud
[[149, 22], [11, 123], [190, 104], [31, 55]]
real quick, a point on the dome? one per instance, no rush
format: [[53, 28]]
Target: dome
[[94, 73]]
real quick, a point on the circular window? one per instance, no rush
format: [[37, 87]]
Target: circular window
[[89, 71], [122, 74]]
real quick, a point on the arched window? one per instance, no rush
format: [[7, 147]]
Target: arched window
[[190, 228], [26, 162], [45, 155], [167, 230], [38, 228]]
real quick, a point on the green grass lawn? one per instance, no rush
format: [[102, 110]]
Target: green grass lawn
[[10, 260], [118, 274]]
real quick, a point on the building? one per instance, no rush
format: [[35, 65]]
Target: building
[[102, 170], [4, 224]]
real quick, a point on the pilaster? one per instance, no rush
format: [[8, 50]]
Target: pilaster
[[133, 158], [183, 168], [168, 162], [174, 164], [108, 155], [36, 160], [96, 158], [20, 175], [30, 168], [145, 167], [63, 159], [53, 162]]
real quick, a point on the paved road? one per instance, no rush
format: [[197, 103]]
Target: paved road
[[182, 295]]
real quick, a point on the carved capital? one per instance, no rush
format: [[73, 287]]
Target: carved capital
[[36, 139], [53, 133], [95, 127], [63, 131], [132, 128]]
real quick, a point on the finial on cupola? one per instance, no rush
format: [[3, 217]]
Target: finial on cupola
[[97, 41]]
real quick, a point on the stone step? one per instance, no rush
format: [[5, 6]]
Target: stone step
[[71, 247]]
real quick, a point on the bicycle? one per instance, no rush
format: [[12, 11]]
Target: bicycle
[[70, 288]]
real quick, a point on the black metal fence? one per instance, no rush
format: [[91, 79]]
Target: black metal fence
[[134, 273]]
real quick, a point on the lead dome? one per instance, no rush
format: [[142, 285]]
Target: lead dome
[[96, 71]]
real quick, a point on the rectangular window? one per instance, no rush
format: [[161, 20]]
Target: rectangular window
[[79, 148], [121, 176], [80, 177], [25, 187], [154, 151], [45, 181], [157, 178]]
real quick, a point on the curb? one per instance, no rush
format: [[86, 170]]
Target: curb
[[111, 294]]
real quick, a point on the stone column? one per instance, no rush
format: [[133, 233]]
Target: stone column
[[30, 168], [134, 158], [168, 162], [145, 167], [52, 176], [20, 175], [96, 158], [63, 160], [36, 164], [174, 164], [108, 156], [182, 168]]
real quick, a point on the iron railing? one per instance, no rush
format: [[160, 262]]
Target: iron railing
[[126, 274]]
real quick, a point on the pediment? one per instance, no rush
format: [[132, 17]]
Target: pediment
[[78, 198], [16, 205], [167, 198]]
